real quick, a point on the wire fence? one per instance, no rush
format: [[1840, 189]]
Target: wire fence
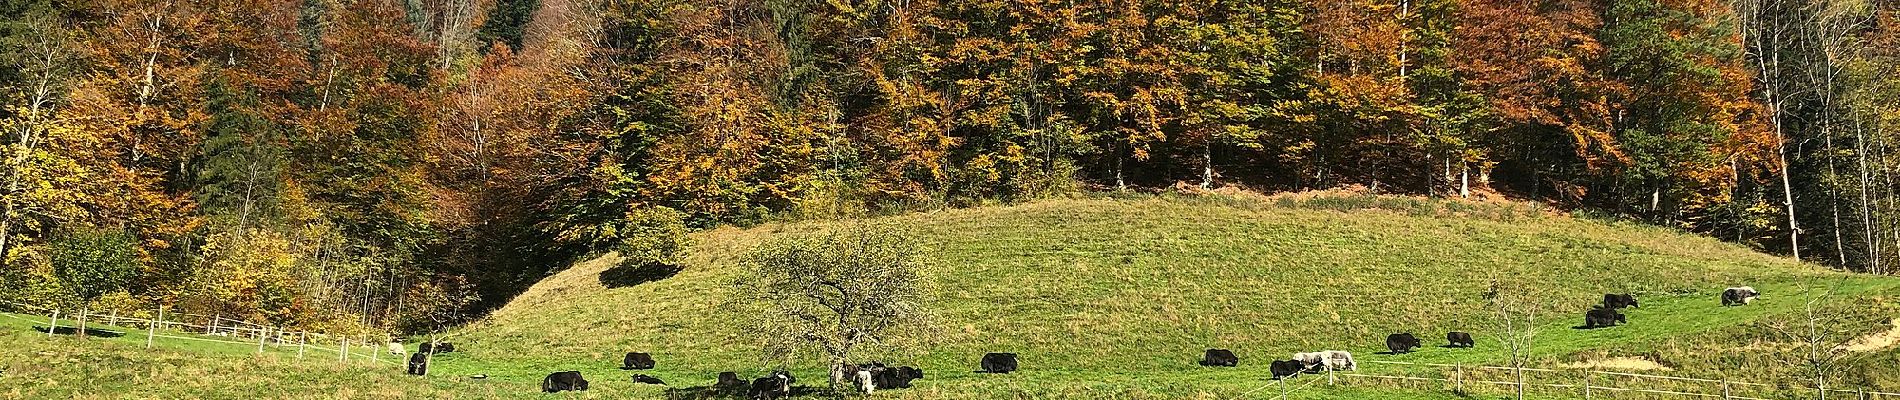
[[1586, 383], [209, 329]]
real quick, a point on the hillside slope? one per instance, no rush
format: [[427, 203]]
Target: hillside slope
[[1121, 295]]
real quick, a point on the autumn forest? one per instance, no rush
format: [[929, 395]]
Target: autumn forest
[[349, 164]]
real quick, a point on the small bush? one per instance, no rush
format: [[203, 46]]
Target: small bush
[[653, 235]]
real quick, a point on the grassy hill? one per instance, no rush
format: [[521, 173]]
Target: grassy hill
[[1119, 296], [1116, 298]]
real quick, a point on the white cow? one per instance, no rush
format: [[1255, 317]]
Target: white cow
[[1337, 360]]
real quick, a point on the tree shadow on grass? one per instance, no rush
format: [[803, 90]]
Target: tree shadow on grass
[[625, 276], [67, 330], [712, 392]]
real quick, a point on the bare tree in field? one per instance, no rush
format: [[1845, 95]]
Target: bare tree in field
[[838, 293], [1514, 306], [1818, 333]]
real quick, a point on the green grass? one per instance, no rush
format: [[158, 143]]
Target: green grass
[[1121, 295], [1116, 298]]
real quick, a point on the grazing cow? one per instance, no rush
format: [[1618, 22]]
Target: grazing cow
[[637, 361], [644, 379], [425, 348], [900, 377], [395, 348], [1337, 360], [778, 385], [444, 347], [419, 364], [1285, 368], [1460, 339], [1616, 301], [1602, 318], [1401, 343], [1310, 362], [999, 363], [1737, 296], [1219, 358], [565, 380], [729, 380], [864, 380]]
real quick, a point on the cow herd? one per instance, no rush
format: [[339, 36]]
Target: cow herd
[[866, 377], [870, 377]]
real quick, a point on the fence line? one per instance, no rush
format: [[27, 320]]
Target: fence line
[[276, 338], [1459, 380]]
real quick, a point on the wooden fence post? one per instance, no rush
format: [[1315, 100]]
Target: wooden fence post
[[151, 329], [375, 354], [52, 324], [1587, 375], [1458, 373], [300, 337], [260, 340], [213, 324], [1725, 394], [342, 348], [114, 318]]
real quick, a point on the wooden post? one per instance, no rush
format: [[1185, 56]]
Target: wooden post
[[151, 329], [1586, 383], [1458, 374], [342, 348], [375, 355], [260, 340], [300, 341], [213, 325], [113, 319], [1725, 394], [52, 324]]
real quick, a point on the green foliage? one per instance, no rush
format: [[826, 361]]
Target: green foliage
[[506, 22], [653, 235], [91, 262], [839, 293]]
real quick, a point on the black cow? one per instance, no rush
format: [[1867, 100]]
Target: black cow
[[418, 364], [637, 361], [1616, 301], [435, 348], [643, 378], [908, 373], [1401, 343], [565, 380], [1219, 358], [1285, 368], [778, 385], [1460, 339], [1602, 318], [999, 363], [1738, 296], [729, 380], [876, 376]]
